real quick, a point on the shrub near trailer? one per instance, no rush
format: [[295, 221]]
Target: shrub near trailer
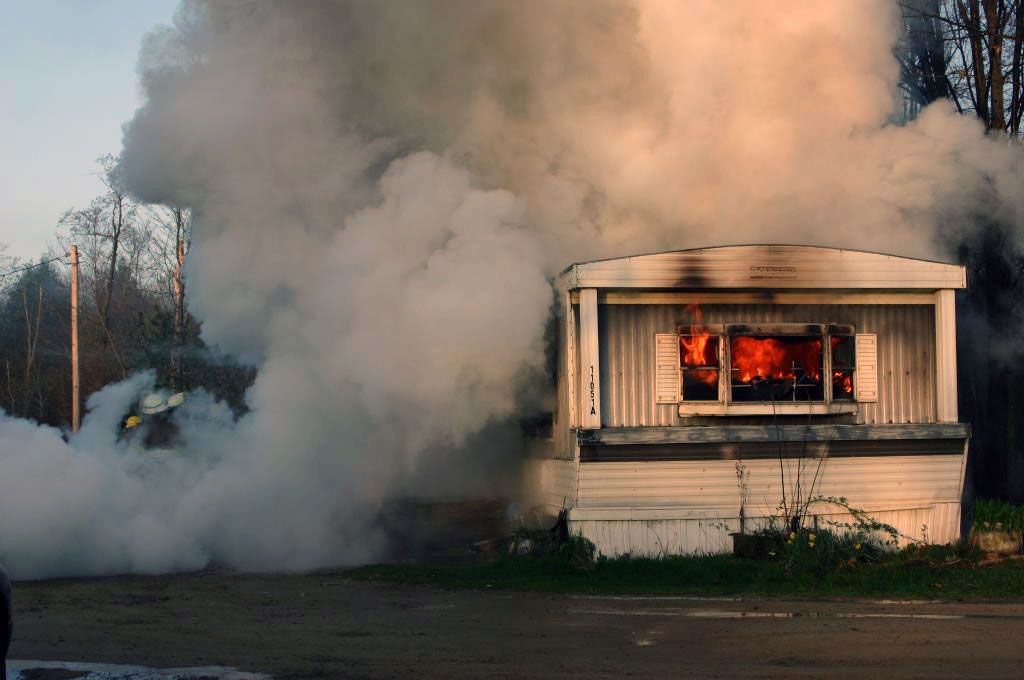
[[996, 526]]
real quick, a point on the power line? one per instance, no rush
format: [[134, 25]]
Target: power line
[[142, 289], [33, 266]]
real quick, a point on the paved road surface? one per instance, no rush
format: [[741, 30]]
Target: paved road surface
[[323, 625]]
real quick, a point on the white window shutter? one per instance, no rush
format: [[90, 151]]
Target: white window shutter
[[866, 375], [666, 351]]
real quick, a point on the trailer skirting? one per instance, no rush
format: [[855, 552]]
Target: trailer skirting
[[709, 533]]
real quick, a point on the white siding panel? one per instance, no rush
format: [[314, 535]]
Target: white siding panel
[[945, 323], [590, 369], [937, 523], [551, 482], [864, 481], [655, 538]]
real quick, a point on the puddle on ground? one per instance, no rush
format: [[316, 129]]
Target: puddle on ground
[[18, 669], [730, 614]]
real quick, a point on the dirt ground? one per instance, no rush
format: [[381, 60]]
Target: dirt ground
[[326, 626]]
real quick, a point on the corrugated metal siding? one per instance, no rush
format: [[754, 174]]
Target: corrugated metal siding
[[628, 364], [936, 522], [906, 355], [551, 482], [656, 538], [865, 482]]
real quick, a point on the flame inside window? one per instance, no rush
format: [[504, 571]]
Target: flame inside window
[[842, 367], [700, 365], [776, 368]]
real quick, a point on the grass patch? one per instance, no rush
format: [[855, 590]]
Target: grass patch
[[918, 573]]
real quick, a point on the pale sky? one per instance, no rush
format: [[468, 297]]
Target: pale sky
[[67, 83]]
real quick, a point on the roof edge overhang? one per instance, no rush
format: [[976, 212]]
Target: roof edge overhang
[[766, 266]]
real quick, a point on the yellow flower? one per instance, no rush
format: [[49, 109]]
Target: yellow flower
[[792, 535], [811, 537], [856, 546]]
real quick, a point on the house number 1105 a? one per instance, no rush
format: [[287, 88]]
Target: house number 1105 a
[[593, 401]]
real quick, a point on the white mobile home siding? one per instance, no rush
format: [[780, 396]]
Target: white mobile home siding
[[652, 507], [935, 522], [551, 483]]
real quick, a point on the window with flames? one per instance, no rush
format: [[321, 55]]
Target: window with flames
[[769, 364]]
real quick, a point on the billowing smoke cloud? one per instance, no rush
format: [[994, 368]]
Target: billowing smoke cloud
[[625, 126], [382, 193], [91, 506]]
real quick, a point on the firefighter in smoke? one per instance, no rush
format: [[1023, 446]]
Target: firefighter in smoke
[[152, 423]]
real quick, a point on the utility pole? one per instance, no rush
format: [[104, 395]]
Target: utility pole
[[179, 315], [74, 338]]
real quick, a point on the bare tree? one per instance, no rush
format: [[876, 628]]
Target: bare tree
[[924, 55], [113, 244], [171, 241], [969, 51], [31, 335]]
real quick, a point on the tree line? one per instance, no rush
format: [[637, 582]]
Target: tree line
[[131, 309]]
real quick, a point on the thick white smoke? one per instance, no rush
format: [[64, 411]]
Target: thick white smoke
[[382, 193], [91, 505]]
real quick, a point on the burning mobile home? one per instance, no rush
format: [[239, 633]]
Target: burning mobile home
[[699, 386]]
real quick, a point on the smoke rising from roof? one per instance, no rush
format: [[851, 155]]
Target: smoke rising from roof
[[625, 126], [382, 193]]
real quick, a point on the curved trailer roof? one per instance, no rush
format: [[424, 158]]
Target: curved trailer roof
[[766, 266]]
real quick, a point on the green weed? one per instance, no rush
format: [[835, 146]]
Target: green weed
[[991, 514], [918, 571]]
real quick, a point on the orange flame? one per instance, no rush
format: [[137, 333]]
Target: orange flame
[[771, 358], [847, 381], [698, 348], [840, 380]]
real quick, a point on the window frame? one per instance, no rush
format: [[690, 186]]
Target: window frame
[[725, 406]]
